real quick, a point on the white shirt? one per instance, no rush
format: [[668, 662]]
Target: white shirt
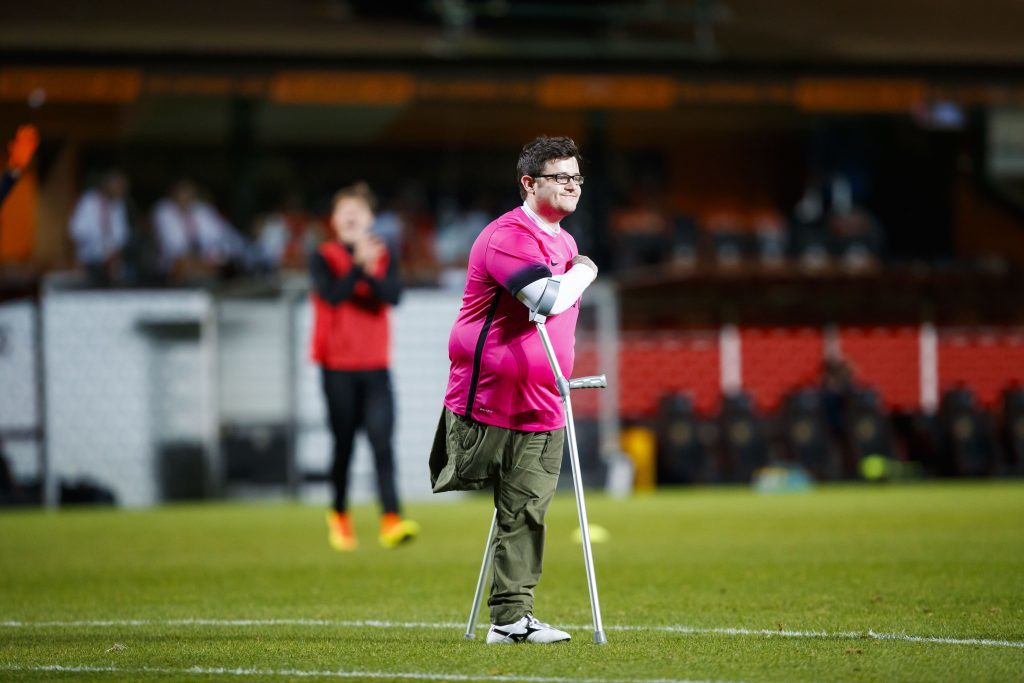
[[550, 228], [198, 230], [99, 227]]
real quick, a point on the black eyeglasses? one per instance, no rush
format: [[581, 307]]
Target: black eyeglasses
[[563, 178]]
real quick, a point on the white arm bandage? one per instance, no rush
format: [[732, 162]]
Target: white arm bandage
[[570, 289]]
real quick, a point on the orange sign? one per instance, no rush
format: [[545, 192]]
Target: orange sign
[[858, 95], [606, 92], [70, 84], [325, 87]]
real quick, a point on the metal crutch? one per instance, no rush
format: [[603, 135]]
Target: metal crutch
[[484, 566], [564, 387]]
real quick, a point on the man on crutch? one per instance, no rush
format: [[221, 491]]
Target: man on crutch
[[503, 424]]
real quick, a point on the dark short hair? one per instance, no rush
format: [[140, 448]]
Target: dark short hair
[[357, 190], [542, 150]]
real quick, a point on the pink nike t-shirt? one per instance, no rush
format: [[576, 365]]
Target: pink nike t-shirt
[[500, 374]]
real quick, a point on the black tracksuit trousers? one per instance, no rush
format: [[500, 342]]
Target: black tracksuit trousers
[[361, 399]]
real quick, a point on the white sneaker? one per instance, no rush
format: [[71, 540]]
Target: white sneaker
[[526, 630]]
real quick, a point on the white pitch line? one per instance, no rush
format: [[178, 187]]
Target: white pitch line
[[372, 623], [366, 623], [302, 673], [943, 641], [869, 634]]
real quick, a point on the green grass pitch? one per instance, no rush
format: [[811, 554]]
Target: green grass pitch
[[850, 583]]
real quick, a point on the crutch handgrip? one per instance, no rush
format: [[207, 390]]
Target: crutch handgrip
[[592, 382]]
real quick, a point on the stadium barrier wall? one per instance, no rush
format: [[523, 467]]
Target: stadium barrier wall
[[158, 395]]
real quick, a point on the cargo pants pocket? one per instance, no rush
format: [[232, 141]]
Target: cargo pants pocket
[[551, 456], [473, 448]]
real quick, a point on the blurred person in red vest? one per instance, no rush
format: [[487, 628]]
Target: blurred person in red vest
[[355, 283]]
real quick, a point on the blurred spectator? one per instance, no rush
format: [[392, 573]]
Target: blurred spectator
[[808, 241], [855, 235], [285, 237], [407, 225], [389, 226], [195, 242], [770, 231], [730, 240], [100, 228], [19, 154], [455, 238]]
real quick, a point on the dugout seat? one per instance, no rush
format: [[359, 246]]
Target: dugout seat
[[968, 434], [1013, 428], [743, 437], [682, 456], [869, 431], [805, 433]]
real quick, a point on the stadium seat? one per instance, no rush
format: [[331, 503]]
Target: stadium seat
[[968, 432], [805, 433], [1013, 428], [743, 441], [682, 456], [869, 432]]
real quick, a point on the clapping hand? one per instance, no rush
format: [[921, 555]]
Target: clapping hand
[[367, 252]]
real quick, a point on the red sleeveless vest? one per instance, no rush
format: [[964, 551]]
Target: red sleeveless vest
[[355, 334]]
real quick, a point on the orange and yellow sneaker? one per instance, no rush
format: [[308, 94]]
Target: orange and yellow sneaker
[[394, 530], [340, 533]]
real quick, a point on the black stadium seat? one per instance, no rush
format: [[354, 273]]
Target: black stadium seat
[[743, 437], [806, 435], [1013, 428], [870, 433], [969, 434], [682, 457]]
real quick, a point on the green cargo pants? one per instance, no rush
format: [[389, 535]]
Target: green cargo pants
[[523, 469]]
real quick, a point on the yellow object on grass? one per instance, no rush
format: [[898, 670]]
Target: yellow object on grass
[[640, 444]]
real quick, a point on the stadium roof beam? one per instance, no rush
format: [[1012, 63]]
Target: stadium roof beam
[[619, 21]]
